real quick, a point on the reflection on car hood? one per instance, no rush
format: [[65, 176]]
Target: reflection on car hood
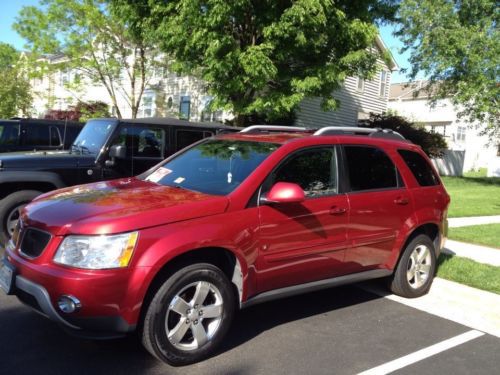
[[118, 206]]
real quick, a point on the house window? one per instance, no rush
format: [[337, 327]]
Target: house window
[[383, 83], [361, 84], [147, 106], [185, 107], [65, 77], [170, 102], [461, 133]]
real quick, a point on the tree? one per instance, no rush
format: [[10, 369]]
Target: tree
[[96, 41], [456, 43], [15, 94], [82, 111], [262, 58], [433, 144]]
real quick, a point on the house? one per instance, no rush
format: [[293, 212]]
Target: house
[[358, 97], [169, 94], [467, 149]]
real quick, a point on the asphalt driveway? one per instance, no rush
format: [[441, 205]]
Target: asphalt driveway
[[337, 331]]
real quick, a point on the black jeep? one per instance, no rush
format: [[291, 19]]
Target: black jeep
[[35, 134], [104, 149]]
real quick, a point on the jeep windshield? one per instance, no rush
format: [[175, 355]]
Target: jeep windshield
[[213, 167], [93, 136]]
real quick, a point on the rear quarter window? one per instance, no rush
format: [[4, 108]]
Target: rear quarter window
[[423, 172]]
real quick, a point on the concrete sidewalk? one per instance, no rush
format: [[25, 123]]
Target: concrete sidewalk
[[475, 220], [462, 304], [481, 254]]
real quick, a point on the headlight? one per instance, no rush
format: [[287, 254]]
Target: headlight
[[97, 252]]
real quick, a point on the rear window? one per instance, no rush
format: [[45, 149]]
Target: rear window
[[370, 168], [420, 168]]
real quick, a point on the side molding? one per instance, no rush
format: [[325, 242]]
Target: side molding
[[315, 285]]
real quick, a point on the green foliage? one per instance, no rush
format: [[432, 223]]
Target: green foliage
[[98, 40], [262, 58], [15, 89], [432, 143], [456, 43]]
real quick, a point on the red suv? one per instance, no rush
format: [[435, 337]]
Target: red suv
[[231, 221]]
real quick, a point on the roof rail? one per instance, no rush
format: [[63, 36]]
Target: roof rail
[[371, 132], [277, 128]]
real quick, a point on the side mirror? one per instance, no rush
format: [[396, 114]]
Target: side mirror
[[284, 192], [115, 152], [118, 151]]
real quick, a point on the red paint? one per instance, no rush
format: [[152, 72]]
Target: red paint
[[277, 245]]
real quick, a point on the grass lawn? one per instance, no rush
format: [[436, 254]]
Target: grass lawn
[[469, 272], [488, 235], [473, 196]]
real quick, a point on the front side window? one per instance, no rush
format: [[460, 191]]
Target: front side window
[[38, 135], [420, 168], [141, 141], [370, 168], [9, 133], [314, 170], [215, 166]]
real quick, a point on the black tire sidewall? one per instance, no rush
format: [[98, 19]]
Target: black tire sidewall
[[157, 311], [10, 202], [401, 270]]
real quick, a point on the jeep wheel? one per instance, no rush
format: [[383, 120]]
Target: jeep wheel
[[189, 315], [416, 268], [10, 209]]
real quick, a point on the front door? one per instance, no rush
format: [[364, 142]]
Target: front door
[[303, 242]]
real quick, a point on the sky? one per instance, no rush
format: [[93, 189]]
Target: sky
[[10, 8]]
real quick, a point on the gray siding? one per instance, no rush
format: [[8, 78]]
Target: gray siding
[[353, 102]]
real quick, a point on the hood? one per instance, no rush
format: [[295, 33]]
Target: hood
[[118, 206], [35, 160]]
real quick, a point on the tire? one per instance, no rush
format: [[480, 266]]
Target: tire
[[10, 207], [416, 268], [176, 312]]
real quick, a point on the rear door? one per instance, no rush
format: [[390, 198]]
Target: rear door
[[302, 242], [380, 206]]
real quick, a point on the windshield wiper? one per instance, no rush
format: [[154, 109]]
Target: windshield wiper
[[80, 148]]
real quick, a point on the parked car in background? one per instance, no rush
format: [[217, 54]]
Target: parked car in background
[[229, 222], [35, 134], [104, 149]]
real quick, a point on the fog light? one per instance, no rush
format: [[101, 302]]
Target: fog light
[[68, 304]]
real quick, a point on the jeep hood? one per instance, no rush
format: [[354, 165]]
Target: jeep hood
[[117, 206]]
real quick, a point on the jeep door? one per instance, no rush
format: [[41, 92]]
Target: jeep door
[[302, 242], [145, 145], [380, 206]]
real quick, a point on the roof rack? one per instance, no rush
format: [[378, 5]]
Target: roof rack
[[276, 128], [370, 132]]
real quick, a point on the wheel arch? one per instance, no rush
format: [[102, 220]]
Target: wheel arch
[[226, 260]]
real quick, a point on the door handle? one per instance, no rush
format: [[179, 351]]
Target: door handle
[[401, 201], [338, 210]]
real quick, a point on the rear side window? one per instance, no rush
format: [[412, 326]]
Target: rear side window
[[420, 168], [370, 168], [185, 138]]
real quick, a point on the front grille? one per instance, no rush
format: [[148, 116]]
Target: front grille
[[34, 242]]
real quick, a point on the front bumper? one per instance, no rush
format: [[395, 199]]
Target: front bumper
[[101, 316]]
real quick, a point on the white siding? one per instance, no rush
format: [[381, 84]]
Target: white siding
[[353, 104]]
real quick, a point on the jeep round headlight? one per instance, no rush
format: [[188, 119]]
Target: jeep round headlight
[[97, 252]]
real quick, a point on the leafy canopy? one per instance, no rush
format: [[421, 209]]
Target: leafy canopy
[[432, 144], [457, 44], [265, 56], [96, 39], [15, 90]]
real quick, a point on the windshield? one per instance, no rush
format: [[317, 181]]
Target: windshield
[[9, 133], [93, 136], [214, 166]]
